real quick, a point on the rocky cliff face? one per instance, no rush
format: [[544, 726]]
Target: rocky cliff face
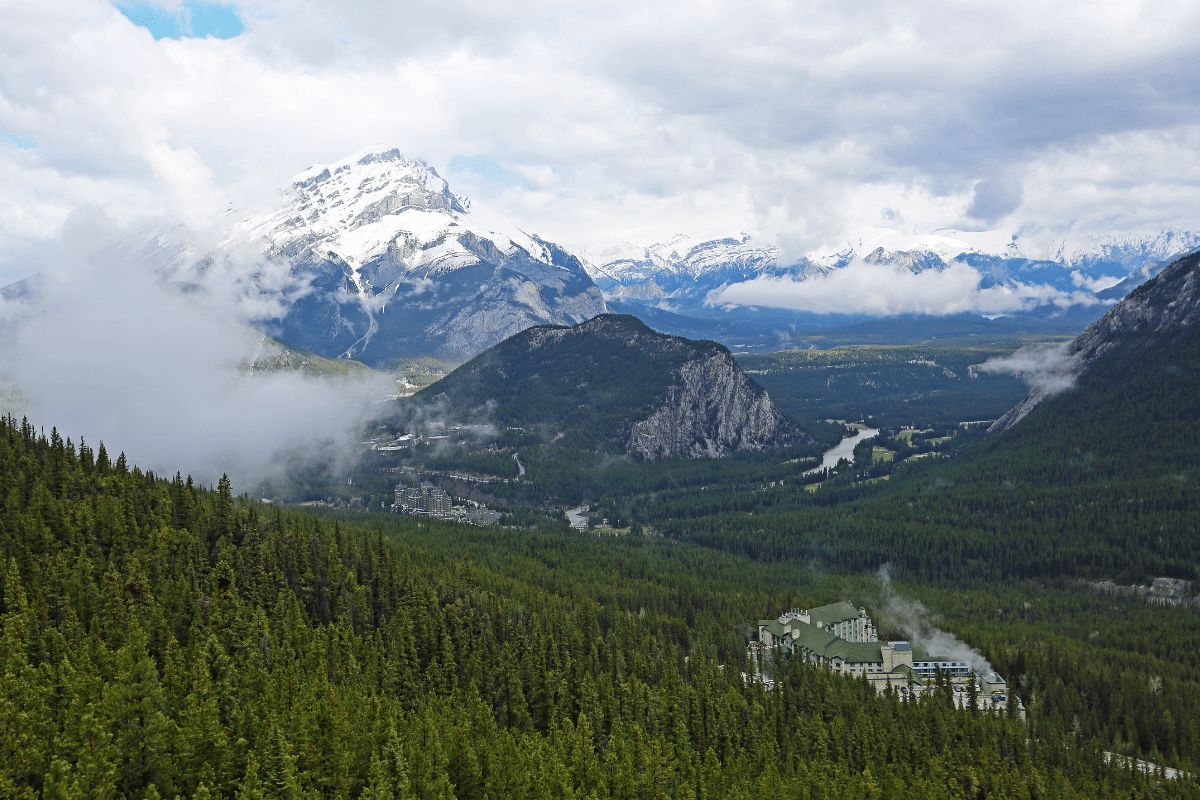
[[1166, 305], [711, 409]]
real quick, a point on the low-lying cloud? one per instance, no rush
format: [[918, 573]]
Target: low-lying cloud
[[1048, 369], [887, 290], [110, 350]]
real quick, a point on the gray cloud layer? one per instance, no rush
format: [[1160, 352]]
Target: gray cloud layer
[[802, 122]]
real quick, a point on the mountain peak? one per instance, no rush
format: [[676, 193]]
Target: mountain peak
[[379, 204], [614, 323], [379, 231], [378, 174]]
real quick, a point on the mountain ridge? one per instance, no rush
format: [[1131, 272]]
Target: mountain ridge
[[612, 382], [1166, 305], [1084, 271]]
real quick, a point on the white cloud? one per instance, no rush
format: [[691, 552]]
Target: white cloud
[[888, 290], [1093, 284], [803, 122], [109, 353], [1048, 369]]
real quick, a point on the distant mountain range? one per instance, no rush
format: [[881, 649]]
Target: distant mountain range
[[682, 285], [394, 265], [375, 258], [681, 274], [612, 384]]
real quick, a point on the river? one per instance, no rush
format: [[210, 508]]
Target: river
[[844, 448]]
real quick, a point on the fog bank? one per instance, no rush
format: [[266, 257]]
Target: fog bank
[[111, 348]]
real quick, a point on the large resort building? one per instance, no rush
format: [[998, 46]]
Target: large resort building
[[843, 639]]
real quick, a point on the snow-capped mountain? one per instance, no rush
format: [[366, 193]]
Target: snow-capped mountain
[[682, 271], [684, 255], [682, 274], [395, 264]]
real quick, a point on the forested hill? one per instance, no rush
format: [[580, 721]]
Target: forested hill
[[612, 383], [1101, 481], [160, 640], [1160, 319]]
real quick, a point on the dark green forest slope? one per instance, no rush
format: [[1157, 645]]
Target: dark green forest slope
[[584, 387], [160, 640], [1100, 481], [581, 388], [899, 385]]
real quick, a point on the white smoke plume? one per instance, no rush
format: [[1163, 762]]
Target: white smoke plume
[[913, 618], [1048, 369], [108, 349]]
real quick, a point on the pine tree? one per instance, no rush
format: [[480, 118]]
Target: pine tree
[[57, 784], [250, 787], [203, 741], [279, 779], [96, 758], [133, 702], [379, 781]]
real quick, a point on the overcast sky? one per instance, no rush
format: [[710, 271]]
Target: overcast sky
[[624, 120]]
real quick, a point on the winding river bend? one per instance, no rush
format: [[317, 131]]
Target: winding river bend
[[844, 448]]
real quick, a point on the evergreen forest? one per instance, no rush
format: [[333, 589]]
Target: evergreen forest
[[165, 640]]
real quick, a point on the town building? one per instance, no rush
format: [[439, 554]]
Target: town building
[[423, 500], [437, 501], [844, 639], [428, 500]]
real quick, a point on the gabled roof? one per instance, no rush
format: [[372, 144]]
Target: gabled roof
[[811, 637], [776, 627], [855, 652], [833, 613], [825, 644]]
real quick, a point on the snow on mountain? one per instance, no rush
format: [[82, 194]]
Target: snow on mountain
[[380, 204], [681, 255], [396, 265], [1144, 252], [682, 273], [683, 270], [946, 245]]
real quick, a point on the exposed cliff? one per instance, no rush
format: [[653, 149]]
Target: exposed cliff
[[613, 384], [711, 409]]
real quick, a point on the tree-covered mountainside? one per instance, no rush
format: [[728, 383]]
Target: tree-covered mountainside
[[1101, 480], [162, 640], [271, 356], [1160, 315], [895, 385], [613, 384]]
